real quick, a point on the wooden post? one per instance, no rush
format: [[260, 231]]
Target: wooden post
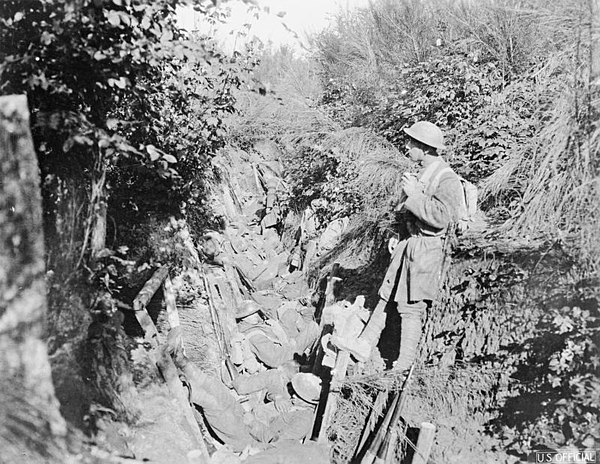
[[31, 426], [338, 373], [150, 288], [390, 452], [333, 282], [424, 443], [337, 379], [311, 250], [161, 356], [98, 236]]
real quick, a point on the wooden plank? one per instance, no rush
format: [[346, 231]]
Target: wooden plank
[[214, 316], [142, 299], [390, 450], [110, 458], [424, 443], [223, 318], [150, 288], [382, 453], [233, 281], [172, 314]]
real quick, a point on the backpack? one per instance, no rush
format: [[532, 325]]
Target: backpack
[[468, 209]]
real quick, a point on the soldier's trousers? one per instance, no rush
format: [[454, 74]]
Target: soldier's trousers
[[412, 317]]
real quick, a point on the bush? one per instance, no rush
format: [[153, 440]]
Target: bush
[[119, 98]]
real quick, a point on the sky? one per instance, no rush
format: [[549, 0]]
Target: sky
[[280, 22]]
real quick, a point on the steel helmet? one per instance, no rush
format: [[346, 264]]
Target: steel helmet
[[427, 133], [247, 308], [307, 386]]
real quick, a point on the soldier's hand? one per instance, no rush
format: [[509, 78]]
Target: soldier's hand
[[410, 184], [282, 405]]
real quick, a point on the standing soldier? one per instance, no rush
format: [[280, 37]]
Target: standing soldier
[[433, 201]]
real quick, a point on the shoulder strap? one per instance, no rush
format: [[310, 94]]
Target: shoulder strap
[[436, 179]]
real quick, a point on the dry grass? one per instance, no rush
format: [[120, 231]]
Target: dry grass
[[288, 110], [285, 120], [446, 397], [558, 172], [360, 397], [379, 166]]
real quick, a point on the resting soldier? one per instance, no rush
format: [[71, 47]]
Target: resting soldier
[[275, 341], [291, 419]]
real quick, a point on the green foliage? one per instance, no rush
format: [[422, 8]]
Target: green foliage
[[127, 112], [527, 316], [317, 174], [449, 90], [83, 62], [557, 401], [483, 144], [120, 98]]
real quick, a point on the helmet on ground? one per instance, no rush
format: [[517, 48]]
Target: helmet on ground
[[427, 133], [307, 386], [246, 308]]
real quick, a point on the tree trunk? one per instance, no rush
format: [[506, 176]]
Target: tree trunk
[[31, 427], [95, 230], [98, 240]]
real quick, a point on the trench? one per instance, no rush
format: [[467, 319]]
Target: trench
[[261, 256]]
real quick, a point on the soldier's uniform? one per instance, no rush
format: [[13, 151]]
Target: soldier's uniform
[[413, 277]]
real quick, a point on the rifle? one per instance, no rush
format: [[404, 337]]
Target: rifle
[[381, 443], [222, 339]]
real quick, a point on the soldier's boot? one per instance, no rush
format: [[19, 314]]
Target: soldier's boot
[[360, 349]]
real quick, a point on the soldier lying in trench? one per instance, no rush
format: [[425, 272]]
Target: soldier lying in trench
[[272, 341], [278, 414], [252, 423]]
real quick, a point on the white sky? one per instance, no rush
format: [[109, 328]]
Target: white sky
[[302, 17]]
